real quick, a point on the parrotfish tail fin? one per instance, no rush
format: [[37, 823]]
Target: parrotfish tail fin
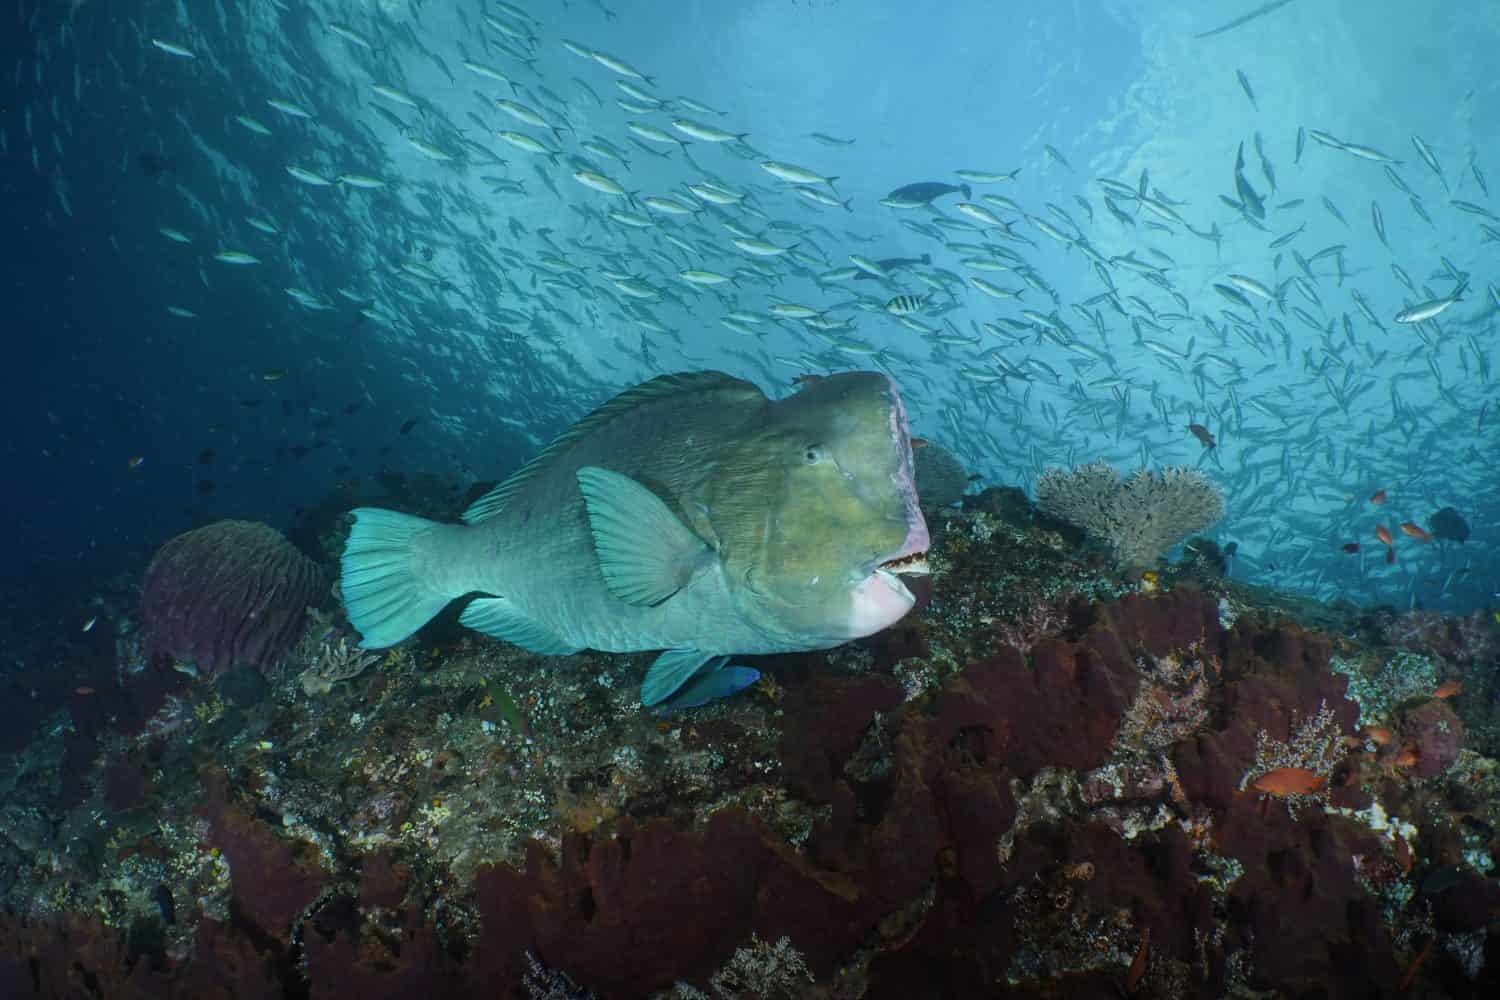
[[674, 668], [968, 193], [384, 597]]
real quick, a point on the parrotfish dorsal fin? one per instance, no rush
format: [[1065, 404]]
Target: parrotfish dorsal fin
[[661, 387]]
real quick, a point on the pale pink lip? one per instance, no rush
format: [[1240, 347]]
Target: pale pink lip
[[879, 602]]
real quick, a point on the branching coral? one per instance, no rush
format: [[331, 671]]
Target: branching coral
[[1317, 746], [1380, 685], [763, 970], [1170, 705], [332, 662], [542, 983], [1139, 518], [1035, 622]]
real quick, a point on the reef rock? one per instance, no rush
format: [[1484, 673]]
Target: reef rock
[[941, 479]]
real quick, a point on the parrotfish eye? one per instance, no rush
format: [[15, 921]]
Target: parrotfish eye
[[813, 454]]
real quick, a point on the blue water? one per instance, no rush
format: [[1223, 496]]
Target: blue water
[[494, 346]]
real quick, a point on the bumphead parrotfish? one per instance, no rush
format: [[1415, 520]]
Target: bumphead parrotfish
[[923, 192], [690, 514]]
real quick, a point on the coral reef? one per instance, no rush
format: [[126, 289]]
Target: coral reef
[[1048, 781], [228, 593]]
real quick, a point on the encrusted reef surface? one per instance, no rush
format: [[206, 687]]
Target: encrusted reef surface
[[1050, 780]]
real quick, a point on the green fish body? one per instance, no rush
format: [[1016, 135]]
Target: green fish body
[[690, 514]]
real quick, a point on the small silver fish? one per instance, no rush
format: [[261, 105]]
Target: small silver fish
[[1423, 311]]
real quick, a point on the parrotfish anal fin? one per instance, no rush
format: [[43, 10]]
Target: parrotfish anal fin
[[723, 388], [674, 668], [645, 551], [498, 617]]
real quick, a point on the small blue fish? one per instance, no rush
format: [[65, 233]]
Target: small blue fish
[[711, 686]]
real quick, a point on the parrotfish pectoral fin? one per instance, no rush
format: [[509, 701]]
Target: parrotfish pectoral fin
[[385, 599], [674, 668], [645, 551], [498, 617], [706, 687]]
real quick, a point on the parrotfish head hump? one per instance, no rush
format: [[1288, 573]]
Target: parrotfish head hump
[[818, 514]]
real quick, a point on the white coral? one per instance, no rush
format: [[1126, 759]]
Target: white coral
[[764, 971], [1139, 518], [333, 662]]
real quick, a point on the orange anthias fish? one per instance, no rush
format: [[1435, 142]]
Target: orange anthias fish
[[1420, 534], [1289, 781], [1410, 975], [1138, 964], [1201, 433], [1448, 689], [1378, 497], [1383, 533]]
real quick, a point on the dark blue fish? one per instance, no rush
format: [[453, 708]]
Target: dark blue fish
[[711, 686], [926, 191], [1449, 524]]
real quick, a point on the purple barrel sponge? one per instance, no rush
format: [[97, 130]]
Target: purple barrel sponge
[[230, 592]]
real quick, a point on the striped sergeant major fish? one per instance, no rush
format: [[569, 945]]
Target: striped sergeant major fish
[[905, 305]]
